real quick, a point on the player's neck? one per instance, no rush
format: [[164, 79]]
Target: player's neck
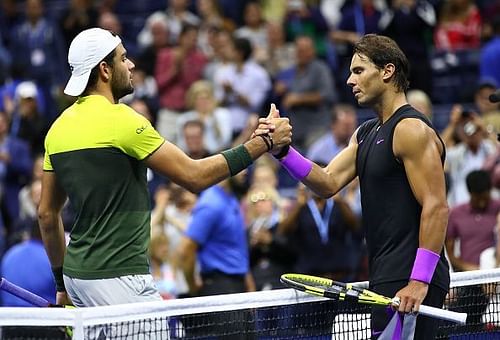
[[105, 92], [389, 104]]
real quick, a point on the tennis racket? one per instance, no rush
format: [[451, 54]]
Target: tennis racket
[[30, 297], [23, 294], [348, 292]]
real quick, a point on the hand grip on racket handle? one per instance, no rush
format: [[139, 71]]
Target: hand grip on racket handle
[[437, 312], [23, 294], [443, 314]]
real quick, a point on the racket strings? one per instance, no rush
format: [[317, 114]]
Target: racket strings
[[333, 289], [318, 283]]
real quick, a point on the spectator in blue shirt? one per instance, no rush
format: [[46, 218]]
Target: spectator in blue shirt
[[27, 265], [489, 67], [15, 169], [216, 237]]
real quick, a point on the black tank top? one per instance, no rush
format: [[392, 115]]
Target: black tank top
[[391, 213]]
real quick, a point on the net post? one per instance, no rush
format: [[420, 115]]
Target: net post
[[78, 327]]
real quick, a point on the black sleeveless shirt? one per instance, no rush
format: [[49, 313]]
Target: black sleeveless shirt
[[391, 213]]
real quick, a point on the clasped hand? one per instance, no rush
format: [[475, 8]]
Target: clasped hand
[[278, 128]]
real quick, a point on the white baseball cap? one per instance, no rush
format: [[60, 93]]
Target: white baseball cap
[[87, 50], [26, 89]]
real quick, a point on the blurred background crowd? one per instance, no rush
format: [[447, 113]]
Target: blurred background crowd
[[205, 70]]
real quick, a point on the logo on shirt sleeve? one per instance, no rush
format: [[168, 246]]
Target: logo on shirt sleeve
[[140, 129]]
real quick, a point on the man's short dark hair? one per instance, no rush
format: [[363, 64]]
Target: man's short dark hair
[[383, 50], [194, 122], [478, 181], [94, 74], [243, 46]]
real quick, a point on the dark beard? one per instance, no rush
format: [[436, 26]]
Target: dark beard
[[119, 91]]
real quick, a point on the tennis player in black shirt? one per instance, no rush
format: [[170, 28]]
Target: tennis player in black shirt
[[398, 158]]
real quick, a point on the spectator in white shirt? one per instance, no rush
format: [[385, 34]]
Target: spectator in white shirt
[[242, 86], [216, 120]]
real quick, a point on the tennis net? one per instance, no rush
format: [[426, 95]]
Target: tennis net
[[278, 314]]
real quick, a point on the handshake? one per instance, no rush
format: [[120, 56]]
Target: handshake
[[275, 131]]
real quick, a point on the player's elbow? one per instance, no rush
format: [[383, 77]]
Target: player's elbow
[[444, 211], [439, 211], [442, 208], [193, 182], [46, 218], [326, 194], [43, 213], [196, 189], [326, 190]]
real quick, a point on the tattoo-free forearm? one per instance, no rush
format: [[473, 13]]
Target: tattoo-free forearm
[[321, 182], [212, 170], [433, 222], [52, 230]]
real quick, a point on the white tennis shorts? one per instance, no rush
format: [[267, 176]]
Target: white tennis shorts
[[114, 291]]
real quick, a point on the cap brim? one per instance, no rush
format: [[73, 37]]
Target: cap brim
[[77, 84]]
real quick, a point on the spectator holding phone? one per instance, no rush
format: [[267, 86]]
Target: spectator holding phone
[[468, 155]]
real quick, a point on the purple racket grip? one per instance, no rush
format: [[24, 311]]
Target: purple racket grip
[[23, 293]]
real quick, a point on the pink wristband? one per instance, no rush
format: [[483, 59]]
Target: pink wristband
[[297, 165], [424, 265]]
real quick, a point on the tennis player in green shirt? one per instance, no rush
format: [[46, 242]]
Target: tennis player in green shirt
[[96, 154]]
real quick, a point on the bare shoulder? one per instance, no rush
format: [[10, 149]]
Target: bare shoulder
[[354, 138], [412, 135]]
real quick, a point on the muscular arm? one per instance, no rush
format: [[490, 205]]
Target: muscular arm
[[196, 175], [49, 217], [326, 182], [418, 147]]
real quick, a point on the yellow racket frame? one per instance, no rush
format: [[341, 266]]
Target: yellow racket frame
[[320, 286]]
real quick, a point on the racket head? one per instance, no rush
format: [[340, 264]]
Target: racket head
[[333, 289], [314, 285], [349, 292]]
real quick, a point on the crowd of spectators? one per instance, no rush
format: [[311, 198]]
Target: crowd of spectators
[[205, 70]]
